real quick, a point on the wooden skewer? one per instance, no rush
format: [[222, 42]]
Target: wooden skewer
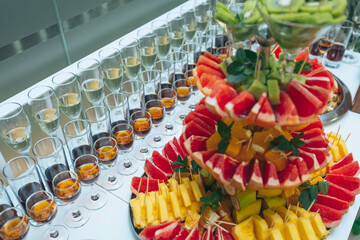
[[258, 72], [229, 223], [303, 64], [248, 146], [297, 206], [287, 214], [347, 137], [272, 228], [339, 140], [138, 190], [179, 176], [315, 214], [256, 64], [217, 225], [147, 188], [300, 218], [311, 205]]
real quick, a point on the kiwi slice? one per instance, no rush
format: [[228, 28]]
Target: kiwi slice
[[339, 7], [274, 91], [257, 88], [284, 6], [314, 7]]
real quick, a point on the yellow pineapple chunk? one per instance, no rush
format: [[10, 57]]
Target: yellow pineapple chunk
[[183, 211], [195, 206], [260, 141], [272, 219], [286, 193], [275, 234], [163, 211], [154, 223], [228, 120], [285, 213], [164, 190], [149, 210], [269, 193], [278, 158], [141, 197], [171, 217], [246, 153], [154, 196], [249, 210], [212, 142], [335, 153], [192, 219], [175, 205], [240, 132], [184, 195], [340, 144], [260, 228], [291, 232], [137, 215], [186, 181], [244, 230], [300, 211], [234, 147], [306, 230], [199, 181], [318, 226], [196, 190]]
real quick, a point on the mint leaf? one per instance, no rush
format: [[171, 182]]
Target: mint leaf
[[195, 167], [323, 187], [314, 192], [252, 56], [305, 184], [222, 145], [283, 144], [181, 170], [298, 64], [234, 79], [304, 198], [212, 201]]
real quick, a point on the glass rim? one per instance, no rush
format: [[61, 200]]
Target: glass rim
[[130, 44], [67, 80], [23, 217], [167, 89], [29, 171], [13, 114], [58, 149], [106, 111], [92, 156], [86, 127], [116, 137], [112, 140], [91, 67], [155, 100], [144, 33], [142, 111], [105, 57], [52, 92], [114, 94], [165, 23], [71, 173], [49, 194], [141, 89]]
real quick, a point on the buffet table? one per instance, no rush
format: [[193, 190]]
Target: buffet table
[[113, 221]]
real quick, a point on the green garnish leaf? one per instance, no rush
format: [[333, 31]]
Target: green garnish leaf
[[323, 187], [181, 161], [195, 167], [212, 201], [225, 134], [234, 79], [314, 192], [298, 64], [356, 227], [283, 144], [242, 67], [304, 198], [181, 170], [305, 184]]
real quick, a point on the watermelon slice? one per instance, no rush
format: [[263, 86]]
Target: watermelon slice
[[270, 177], [182, 235], [327, 212], [333, 202], [195, 144], [307, 105], [203, 156], [277, 50], [200, 70], [223, 235], [322, 94], [170, 152], [240, 105], [266, 117], [255, 180], [148, 233], [289, 177], [139, 185], [351, 169], [162, 163], [202, 109], [240, 177], [208, 62], [219, 97], [330, 224], [310, 159], [214, 160], [154, 172], [350, 183], [168, 232], [208, 234], [255, 109], [285, 112], [341, 193], [347, 159], [302, 168], [194, 234], [323, 82], [193, 128], [194, 115], [225, 169], [213, 58]]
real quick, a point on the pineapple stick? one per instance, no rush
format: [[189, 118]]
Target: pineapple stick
[[248, 146], [147, 188]]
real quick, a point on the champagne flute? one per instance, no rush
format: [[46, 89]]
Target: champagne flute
[[111, 65], [67, 188], [118, 106], [41, 207], [165, 68], [91, 80], [44, 107], [179, 64], [168, 97], [161, 29], [107, 151], [148, 48], [68, 92], [14, 224], [124, 135], [99, 119], [130, 52], [195, 93], [183, 89], [15, 127], [151, 81], [350, 57], [176, 27], [156, 108], [5, 201], [204, 43], [202, 13], [189, 22], [134, 90], [141, 123], [88, 170]]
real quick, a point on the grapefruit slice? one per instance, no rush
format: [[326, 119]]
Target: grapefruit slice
[[182, 235], [214, 160], [223, 235], [322, 94], [315, 124], [170, 152], [323, 82], [307, 105], [311, 161], [333, 84], [193, 128], [289, 177], [207, 81], [347, 159], [212, 57], [351, 169], [208, 62], [154, 172], [322, 155], [317, 142], [168, 232], [181, 143], [240, 177], [162, 163], [202, 109], [195, 144], [203, 156], [327, 212], [270, 177], [210, 129], [225, 169], [255, 109], [200, 70], [255, 180], [142, 184], [266, 117], [194, 234], [285, 112], [208, 234], [194, 115], [148, 233], [240, 105], [302, 168], [330, 224], [333, 202], [312, 133], [350, 183], [178, 148], [219, 97], [341, 193]]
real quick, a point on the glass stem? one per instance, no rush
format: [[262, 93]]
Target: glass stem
[[53, 233], [143, 148], [93, 195]]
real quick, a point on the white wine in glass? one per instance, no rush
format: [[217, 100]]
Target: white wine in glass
[[132, 65], [94, 90], [48, 119], [113, 78], [70, 104]]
